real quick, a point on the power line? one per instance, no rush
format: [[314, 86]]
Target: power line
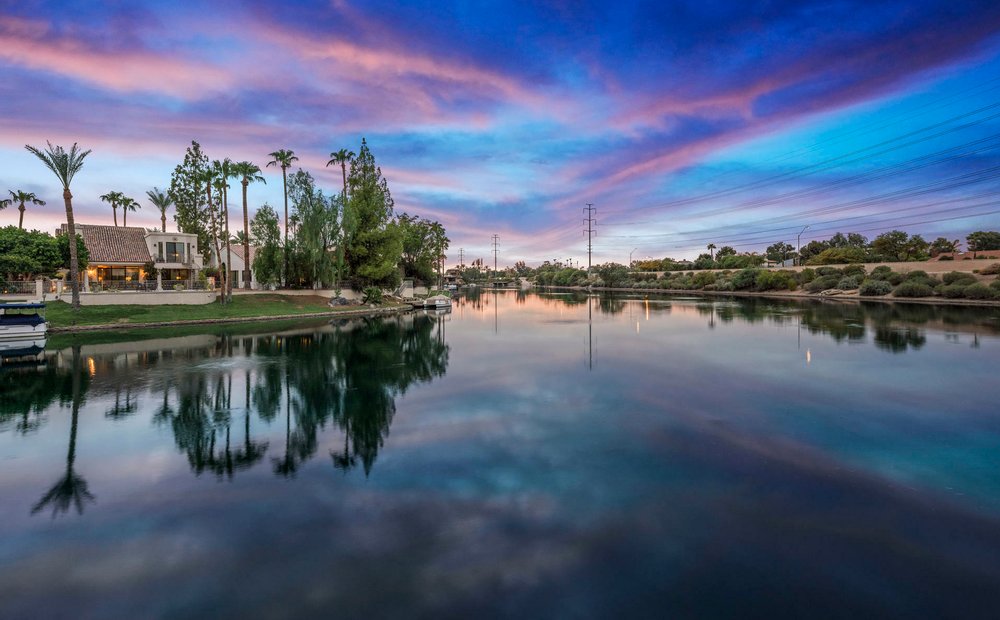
[[589, 210]]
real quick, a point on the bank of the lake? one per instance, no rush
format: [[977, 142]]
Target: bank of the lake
[[844, 296], [244, 308]]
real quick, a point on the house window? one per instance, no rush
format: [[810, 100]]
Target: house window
[[175, 252], [159, 251]]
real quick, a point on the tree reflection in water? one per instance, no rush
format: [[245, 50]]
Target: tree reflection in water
[[70, 490]]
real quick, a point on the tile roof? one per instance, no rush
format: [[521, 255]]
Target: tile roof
[[113, 244], [237, 249]]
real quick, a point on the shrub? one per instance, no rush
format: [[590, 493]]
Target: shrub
[[725, 285], [775, 280], [807, 275], [872, 288], [995, 285], [946, 257], [703, 278], [896, 278], [848, 283], [882, 272], [822, 283], [912, 288], [829, 271], [981, 291], [372, 295], [916, 274], [957, 277], [855, 270], [990, 270], [745, 279], [952, 291]]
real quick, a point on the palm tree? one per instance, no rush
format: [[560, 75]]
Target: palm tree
[[239, 237], [711, 250], [114, 199], [341, 157], [247, 172], [161, 200], [217, 183], [65, 166], [128, 204], [284, 159], [224, 172], [21, 197]]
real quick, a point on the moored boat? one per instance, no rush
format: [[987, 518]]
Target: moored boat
[[22, 321]]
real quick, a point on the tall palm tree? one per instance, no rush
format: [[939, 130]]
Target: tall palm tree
[[5, 202], [128, 204], [341, 157], [115, 199], [161, 200], [247, 172], [224, 172], [218, 184], [65, 166], [283, 158], [21, 197], [711, 250]]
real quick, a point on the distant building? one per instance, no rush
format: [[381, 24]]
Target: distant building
[[239, 266]]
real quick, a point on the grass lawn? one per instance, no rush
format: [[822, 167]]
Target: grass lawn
[[59, 313]]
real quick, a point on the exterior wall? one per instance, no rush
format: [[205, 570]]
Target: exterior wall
[[152, 298], [192, 259]]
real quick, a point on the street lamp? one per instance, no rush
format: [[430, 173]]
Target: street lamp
[[798, 241]]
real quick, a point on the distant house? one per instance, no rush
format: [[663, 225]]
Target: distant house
[[453, 276], [239, 266], [968, 255], [120, 254]]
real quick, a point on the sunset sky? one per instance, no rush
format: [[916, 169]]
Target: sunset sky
[[684, 123]]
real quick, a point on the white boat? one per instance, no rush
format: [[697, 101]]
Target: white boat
[[22, 322], [438, 301]]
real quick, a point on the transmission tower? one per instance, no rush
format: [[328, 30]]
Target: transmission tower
[[461, 257], [589, 222], [496, 251]]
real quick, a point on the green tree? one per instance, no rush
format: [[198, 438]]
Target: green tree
[[115, 199], [283, 158], [424, 243], [726, 250], [942, 245], [891, 246], [65, 165], [981, 241], [266, 235], [21, 197], [247, 172], [188, 192], [613, 274], [711, 249], [224, 171], [161, 200], [342, 157], [374, 244], [317, 230], [780, 251], [812, 249]]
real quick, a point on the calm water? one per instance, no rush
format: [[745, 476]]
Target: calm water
[[524, 455]]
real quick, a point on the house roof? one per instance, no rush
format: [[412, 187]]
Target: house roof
[[237, 249], [113, 244]]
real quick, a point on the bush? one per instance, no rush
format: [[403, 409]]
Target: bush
[[952, 291], [372, 295], [916, 274], [775, 281], [882, 272], [829, 271], [990, 270], [872, 288], [745, 279], [957, 277], [995, 285], [981, 291], [896, 279], [822, 283], [703, 279], [848, 283], [724, 285], [912, 288], [855, 270], [807, 275]]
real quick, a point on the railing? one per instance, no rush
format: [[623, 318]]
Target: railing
[[170, 258], [122, 285], [17, 288]]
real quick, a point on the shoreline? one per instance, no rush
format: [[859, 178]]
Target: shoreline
[[930, 301], [388, 310]]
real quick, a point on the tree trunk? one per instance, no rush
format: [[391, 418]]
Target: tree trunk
[[284, 184], [114, 210], [229, 256], [163, 221], [246, 239], [20, 218], [74, 263], [124, 216], [218, 250]]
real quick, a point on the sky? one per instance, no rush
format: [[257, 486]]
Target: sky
[[683, 123]]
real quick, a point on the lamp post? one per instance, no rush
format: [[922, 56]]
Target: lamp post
[[630, 258], [798, 241]]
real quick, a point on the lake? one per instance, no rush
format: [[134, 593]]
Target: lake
[[525, 455]]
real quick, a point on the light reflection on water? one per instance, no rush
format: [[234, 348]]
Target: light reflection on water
[[551, 454]]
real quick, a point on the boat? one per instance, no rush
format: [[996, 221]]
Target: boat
[[438, 301], [20, 322]]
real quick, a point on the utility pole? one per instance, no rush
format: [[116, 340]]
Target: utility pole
[[461, 257], [590, 222], [798, 240], [496, 251]]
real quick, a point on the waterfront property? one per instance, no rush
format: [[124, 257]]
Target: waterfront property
[[120, 255]]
